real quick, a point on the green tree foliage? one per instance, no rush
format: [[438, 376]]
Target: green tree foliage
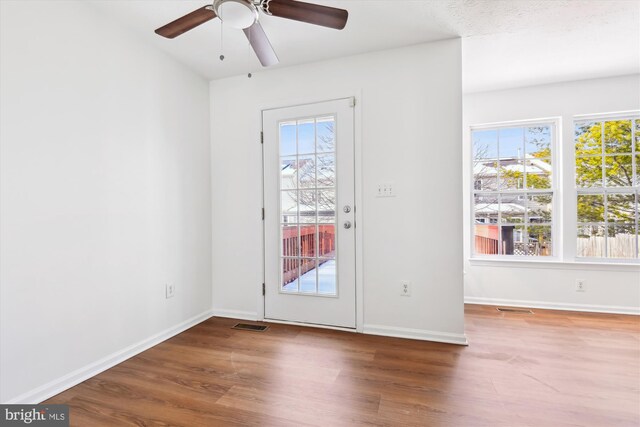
[[618, 170]]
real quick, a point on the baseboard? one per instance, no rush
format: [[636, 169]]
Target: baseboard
[[59, 385], [415, 334], [235, 314], [611, 309]]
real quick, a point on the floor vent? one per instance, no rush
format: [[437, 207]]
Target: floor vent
[[249, 327], [514, 310]]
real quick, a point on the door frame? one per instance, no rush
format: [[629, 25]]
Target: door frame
[[356, 95]]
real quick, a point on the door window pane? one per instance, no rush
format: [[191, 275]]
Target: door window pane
[[327, 203], [326, 170], [308, 240], [287, 139], [289, 207], [325, 134], [327, 276], [307, 171], [327, 241], [290, 241], [288, 173], [308, 206], [307, 203], [306, 136], [308, 275], [290, 274]]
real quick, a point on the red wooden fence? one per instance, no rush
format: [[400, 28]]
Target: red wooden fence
[[326, 237], [485, 245]]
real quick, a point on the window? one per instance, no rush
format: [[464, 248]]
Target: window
[[607, 153], [513, 188]]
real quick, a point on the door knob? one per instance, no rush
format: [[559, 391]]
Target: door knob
[[347, 209], [347, 224]]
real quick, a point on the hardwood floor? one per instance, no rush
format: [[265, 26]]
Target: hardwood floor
[[551, 368]]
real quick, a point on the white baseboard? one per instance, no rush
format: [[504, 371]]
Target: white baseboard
[[235, 314], [59, 385], [611, 309], [415, 334]]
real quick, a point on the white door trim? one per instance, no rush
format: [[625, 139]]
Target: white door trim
[[358, 172]]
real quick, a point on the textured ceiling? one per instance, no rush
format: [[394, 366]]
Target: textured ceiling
[[507, 43]]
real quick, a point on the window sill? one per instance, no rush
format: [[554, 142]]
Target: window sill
[[555, 264]]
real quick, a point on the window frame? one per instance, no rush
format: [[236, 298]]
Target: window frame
[[633, 116], [556, 226]]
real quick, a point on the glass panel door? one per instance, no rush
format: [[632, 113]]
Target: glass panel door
[[309, 192]]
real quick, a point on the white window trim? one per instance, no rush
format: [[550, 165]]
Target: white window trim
[[556, 158], [618, 115]]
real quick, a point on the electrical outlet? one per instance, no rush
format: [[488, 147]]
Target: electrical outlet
[[580, 285], [405, 289], [170, 290]]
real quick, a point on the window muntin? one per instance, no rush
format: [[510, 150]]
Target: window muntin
[[513, 189], [607, 183]]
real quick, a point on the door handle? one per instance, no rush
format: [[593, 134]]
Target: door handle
[[347, 224]]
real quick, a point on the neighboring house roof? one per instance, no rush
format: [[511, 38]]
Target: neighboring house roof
[[493, 208], [485, 168]]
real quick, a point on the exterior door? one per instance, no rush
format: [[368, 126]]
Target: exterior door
[[309, 213]]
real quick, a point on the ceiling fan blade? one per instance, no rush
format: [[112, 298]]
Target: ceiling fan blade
[[261, 45], [306, 12], [187, 22]]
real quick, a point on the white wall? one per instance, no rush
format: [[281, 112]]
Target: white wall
[[614, 288], [408, 125], [105, 196]]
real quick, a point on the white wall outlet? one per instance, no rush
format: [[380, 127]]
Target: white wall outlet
[[386, 189], [405, 288], [580, 285], [170, 290]]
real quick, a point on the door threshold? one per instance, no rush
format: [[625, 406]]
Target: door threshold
[[310, 325]]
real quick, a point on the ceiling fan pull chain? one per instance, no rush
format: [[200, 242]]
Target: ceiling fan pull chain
[[221, 41], [249, 54]]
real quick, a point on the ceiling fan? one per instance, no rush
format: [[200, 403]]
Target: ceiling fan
[[243, 14]]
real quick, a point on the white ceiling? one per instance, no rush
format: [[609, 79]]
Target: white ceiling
[[507, 43]]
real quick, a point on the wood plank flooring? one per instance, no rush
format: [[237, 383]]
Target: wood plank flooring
[[551, 368]]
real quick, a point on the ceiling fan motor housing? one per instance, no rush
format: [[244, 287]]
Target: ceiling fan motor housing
[[238, 14]]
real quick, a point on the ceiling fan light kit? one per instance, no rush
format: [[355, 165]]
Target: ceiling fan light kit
[[244, 15], [239, 14]]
